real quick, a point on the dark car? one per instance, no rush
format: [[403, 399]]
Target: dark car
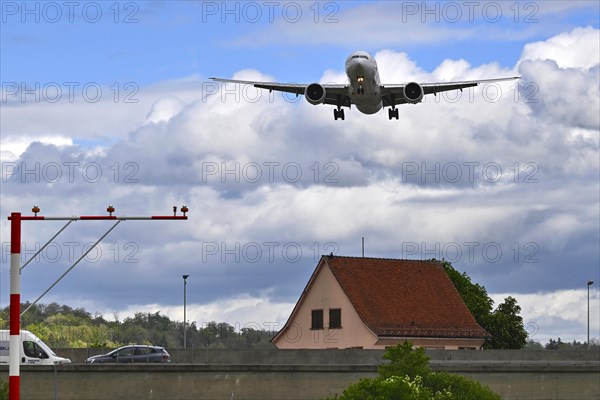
[[133, 354]]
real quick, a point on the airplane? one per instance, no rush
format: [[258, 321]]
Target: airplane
[[364, 89]]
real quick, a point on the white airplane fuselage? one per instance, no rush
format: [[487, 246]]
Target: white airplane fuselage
[[365, 86]]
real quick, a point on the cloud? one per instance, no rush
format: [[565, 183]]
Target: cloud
[[378, 24], [14, 146], [125, 107], [164, 109], [579, 48]]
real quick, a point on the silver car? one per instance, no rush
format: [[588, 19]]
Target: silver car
[[133, 354]]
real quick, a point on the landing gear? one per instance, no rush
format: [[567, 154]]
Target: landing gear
[[360, 89], [393, 111], [339, 112]]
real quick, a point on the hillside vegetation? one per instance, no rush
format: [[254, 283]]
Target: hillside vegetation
[[61, 326]]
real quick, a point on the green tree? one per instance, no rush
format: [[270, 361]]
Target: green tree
[[393, 388], [460, 387], [407, 376], [533, 345], [404, 361], [504, 324], [474, 295]]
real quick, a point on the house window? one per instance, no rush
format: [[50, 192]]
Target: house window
[[317, 319], [335, 318]]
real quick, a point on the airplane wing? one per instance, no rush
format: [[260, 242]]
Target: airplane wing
[[394, 94], [336, 93], [391, 95]]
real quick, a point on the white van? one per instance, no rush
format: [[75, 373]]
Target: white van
[[32, 350]]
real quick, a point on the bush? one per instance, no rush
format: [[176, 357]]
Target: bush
[[465, 389], [407, 376], [404, 361], [392, 388]]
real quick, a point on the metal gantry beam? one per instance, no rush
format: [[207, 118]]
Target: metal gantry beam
[[15, 218]]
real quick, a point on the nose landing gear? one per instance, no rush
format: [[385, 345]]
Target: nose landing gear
[[339, 113], [360, 89]]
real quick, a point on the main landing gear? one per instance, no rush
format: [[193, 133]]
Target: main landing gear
[[393, 111], [339, 112]]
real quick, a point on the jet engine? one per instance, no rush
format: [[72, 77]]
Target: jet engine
[[315, 94], [413, 93]]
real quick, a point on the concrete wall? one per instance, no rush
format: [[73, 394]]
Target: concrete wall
[[342, 356], [307, 374]]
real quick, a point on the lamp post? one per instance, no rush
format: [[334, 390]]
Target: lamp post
[[184, 310], [589, 283]]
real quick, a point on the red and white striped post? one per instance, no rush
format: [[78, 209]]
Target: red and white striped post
[[14, 379], [14, 383]]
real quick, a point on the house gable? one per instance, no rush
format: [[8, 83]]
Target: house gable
[[323, 292]]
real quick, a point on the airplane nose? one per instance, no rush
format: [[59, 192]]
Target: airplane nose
[[358, 67]]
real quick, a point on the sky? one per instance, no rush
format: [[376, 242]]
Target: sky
[[111, 103]]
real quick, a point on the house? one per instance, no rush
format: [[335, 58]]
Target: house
[[373, 303]]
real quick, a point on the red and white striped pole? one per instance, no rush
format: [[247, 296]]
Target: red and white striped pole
[[14, 384]]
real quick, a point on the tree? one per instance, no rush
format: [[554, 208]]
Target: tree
[[404, 361], [407, 376], [553, 344], [392, 388], [504, 324], [474, 295], [533, 345]]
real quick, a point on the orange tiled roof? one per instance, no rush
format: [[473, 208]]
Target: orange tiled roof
[[405, 298]]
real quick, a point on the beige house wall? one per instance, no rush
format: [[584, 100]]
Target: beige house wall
[[324, 294]]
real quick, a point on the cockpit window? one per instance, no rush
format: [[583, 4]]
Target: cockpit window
[[360, 56]]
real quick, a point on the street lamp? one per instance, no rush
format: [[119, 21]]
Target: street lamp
[[184, 310], [589, 283]]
